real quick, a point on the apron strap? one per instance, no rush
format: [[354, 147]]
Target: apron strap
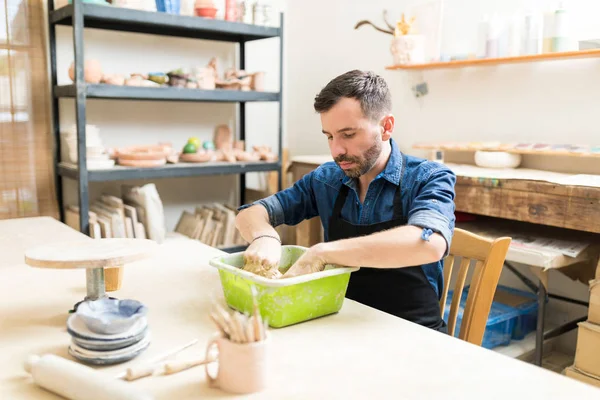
[[398, 209], [339, 202]]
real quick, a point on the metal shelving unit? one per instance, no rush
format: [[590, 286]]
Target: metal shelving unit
[[82, 15]]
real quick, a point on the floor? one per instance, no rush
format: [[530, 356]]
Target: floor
[[557, 361]]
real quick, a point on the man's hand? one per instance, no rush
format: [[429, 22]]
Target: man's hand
[[264, 251], [309, 262]]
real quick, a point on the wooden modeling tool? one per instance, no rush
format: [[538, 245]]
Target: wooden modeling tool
[[149, 368], [238, 327]]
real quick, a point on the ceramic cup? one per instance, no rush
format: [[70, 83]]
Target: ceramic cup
[[242, 367]]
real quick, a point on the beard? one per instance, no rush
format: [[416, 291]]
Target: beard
[[364, 163]]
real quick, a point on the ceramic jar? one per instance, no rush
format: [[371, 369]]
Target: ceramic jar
[[408, 49]]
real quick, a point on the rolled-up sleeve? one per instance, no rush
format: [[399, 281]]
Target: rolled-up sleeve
[[433, 205], [290, 206]]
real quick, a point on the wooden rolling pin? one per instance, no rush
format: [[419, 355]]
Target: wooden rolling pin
[[74, 381]]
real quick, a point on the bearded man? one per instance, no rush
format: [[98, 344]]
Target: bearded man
[[389, 213]]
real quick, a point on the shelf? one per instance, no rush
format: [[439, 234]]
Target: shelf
[[105, 91], [500, 61], [548, 150], [179, 170], [158, 23]]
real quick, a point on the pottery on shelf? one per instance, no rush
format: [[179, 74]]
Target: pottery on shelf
[[92, 71], [205, 8], [110, 316]]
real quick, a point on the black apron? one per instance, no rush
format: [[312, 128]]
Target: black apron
[[403, 292]]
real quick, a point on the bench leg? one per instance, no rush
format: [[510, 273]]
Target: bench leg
[[539, 331]]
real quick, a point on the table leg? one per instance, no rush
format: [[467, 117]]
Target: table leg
[[94, 279], [539, 332]]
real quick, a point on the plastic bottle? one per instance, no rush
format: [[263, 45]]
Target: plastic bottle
[[483, 31], [561, 40], [532, 34]]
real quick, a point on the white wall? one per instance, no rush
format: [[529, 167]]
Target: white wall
[[553, 102]]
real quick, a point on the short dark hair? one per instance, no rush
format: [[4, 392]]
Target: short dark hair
[[368, 88]]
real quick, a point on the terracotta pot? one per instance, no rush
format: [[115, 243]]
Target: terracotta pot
[[206, 12]]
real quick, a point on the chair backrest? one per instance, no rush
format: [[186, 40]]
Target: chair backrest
[[489, 256]]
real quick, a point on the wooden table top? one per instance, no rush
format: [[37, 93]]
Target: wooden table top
[[357, 353]]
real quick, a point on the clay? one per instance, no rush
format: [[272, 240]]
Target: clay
[[199, 157], [223, 138], [113, 79], [246, 156], [143, 163], [139, 80], [265, 153], [259, 269], [226, 155]]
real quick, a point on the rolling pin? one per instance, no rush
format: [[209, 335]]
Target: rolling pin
[[74, 381]]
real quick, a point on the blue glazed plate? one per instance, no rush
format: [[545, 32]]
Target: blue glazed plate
[[109, 357], [103, 345], [111, 316], [77, 328]]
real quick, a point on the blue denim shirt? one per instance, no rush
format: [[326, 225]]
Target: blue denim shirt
[[427, 200]]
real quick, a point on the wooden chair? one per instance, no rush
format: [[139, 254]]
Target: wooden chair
[[489, 256]]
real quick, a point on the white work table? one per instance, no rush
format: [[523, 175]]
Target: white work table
[[357, 353]]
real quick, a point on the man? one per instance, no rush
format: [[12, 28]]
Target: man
[[389, 213]]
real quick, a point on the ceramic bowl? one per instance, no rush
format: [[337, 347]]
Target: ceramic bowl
[[110, 316]]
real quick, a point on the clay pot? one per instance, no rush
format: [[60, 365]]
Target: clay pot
[[206, 12], [92, 71], [258, 81], [199, 157], [113, 79]]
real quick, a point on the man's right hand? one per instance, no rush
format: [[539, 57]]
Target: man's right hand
[[265, 251]]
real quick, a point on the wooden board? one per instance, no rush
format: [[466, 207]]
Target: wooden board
[[98, 253], [567, 55], [572, 207]]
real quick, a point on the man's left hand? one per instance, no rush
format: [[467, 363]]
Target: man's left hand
[[311, 261]]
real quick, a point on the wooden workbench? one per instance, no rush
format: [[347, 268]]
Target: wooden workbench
[[544, 198], [540, 198], [357, 353]]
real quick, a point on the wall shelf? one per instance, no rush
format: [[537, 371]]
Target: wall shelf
[[166, 93], [533, 149], [593, 53], [158, 23], [178, 170]]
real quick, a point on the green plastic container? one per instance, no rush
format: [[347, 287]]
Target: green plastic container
[[288, 301]]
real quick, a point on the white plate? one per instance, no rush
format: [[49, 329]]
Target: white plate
[[76, 327]]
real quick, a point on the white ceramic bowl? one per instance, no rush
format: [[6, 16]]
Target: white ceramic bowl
[[497, 159], [110, 316]]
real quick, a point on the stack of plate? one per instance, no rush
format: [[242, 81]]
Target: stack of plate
[[106, 349]]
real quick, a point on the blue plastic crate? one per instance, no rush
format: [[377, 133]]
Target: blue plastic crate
[[500, 324], [527, 309]]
